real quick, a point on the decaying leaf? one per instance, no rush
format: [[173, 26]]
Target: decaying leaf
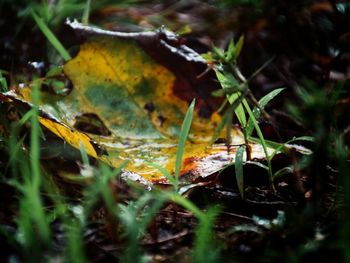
[[130, 94]]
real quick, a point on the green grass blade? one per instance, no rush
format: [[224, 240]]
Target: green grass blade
[[239, 111], [135, 217], [285, 147], [75, 242], [263, 143], [35, 136], [15, 144], [261, 68], [263, 166], [231, 50], [51, 37], [205, 249], [34, 197], [229, 120], [229, 82], [257, 110], [239, 46], [219, 53], [302, 138], [32, 211], [3, 83], [283, 171], [158, 201], [185, 129], [239, 169], [100, 189], [225, 117], [185, 203], [203, 242], [85, 18], [107, 174], [83, 154]]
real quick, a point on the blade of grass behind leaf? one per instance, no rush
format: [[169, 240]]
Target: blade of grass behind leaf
[[185, 129], [239, 169], [85, 18]]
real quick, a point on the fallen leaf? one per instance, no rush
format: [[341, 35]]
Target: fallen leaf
[[130, 94]]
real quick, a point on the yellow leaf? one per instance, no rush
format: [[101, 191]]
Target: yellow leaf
[[71, 136], [139, 104]]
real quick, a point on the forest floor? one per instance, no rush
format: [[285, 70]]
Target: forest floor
[[61, 203]]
